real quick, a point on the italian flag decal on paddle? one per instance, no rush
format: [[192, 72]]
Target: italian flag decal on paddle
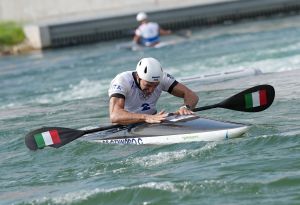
[[47, 138], [256, 99]]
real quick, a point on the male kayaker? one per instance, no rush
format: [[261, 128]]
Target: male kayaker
[[133, 94], [147, 34]]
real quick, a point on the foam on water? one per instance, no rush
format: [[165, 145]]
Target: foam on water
[[85, 89], [83, 195], [168, 157]]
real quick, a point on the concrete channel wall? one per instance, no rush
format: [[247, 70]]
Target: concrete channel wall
[[86, 30], [37, 10]]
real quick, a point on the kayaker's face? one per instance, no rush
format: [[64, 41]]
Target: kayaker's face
[[148, 87]]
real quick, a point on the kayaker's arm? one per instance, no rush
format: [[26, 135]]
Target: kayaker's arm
[[190, 98], [164, 32], [137, 39], [120, 116]]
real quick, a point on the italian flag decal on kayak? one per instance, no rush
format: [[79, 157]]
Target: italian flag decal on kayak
[[47, 138], [256, 99]]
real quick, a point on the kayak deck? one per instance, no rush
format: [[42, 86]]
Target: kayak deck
[[177, 129]]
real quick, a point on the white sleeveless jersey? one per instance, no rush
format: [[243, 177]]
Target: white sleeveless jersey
[[149, 33], [135, 101]]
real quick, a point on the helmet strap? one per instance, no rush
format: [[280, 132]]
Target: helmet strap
[[137, 79]]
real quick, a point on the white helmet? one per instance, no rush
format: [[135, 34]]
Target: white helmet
[[141, 16], [149, 69]]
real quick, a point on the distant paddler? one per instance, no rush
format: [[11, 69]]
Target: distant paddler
[[148, 33]]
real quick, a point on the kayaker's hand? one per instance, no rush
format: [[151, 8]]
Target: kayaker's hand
[[183, 110], [157, 118]]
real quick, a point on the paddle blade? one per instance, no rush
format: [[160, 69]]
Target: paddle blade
[[254, 99], [184, 33], [51, 136]]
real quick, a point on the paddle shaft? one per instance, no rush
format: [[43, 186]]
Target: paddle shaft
[[197, 109], [100, 129], [183, 33]]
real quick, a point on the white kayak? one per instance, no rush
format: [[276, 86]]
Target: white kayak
[[177, 129]]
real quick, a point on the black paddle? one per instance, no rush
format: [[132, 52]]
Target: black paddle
[[254, 99], [61, 136]]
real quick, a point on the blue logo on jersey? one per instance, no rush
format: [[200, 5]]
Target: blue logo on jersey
[[117, 87], [170, 76], [145, 106]]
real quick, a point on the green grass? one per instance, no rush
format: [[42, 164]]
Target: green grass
[[11, 33]]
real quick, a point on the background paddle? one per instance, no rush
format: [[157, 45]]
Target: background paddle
[[254, 99], [183, 33]]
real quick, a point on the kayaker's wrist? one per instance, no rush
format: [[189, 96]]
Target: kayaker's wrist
[[144, 118], [187, 107]]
